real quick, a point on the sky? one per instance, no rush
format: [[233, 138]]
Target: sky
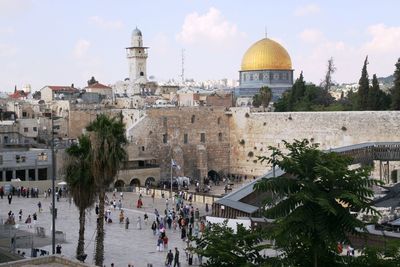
[[47, 42]]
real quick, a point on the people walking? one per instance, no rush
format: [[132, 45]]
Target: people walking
[[170, 258], [126, 223], [20, 215], [176, 257], [154, 227], [139, 223], [9, 197]]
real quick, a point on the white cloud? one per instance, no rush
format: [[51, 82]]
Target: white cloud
[[381, 46], [211, 26], [81, 48], [384, 39], [7, 50], [6, 30], [310, 9], [11, 7], [311, 36], [106, 24]]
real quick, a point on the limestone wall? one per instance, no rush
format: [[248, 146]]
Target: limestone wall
[[175, 123], [252, 133]]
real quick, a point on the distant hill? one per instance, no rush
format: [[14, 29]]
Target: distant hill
[[386, 80]]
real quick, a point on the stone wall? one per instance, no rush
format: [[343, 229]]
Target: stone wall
[[252, 133], [171, 125]]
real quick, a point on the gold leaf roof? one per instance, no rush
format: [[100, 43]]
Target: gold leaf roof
[[266, 54]]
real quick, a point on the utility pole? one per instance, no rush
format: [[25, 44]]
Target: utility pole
[[53, 193], [183, 66]]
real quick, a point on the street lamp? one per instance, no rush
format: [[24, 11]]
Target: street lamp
[[53, 189]]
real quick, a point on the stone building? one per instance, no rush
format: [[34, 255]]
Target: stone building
[[197, 138], [53, 92]]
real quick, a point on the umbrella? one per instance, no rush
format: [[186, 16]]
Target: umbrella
[[62, 183]]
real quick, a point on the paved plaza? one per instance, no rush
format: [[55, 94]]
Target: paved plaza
[[122, 246]]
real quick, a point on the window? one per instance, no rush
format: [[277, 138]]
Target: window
[[203, 137], [35, 129], [165, 138], [142, 148], [42, 157], [260, 76], [165, 120], [25, 129], [219, 120], [193, 118], [220, 137], [24, 114], [1, 159], [185, 138], [20, 158], [251, 77], [141, 73]]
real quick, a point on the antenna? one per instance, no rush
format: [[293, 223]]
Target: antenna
[[183, 66]]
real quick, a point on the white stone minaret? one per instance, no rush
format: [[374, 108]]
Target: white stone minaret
[[137, 57]]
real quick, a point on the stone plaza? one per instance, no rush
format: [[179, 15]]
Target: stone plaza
[[122, 246]]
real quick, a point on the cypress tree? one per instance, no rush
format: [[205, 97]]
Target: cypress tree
[[297, 92], [374, 94], [396, 88], [363, 88]]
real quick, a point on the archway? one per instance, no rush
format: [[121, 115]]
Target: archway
[[214, 176], [119, 183], [150, 181], [135, 182]]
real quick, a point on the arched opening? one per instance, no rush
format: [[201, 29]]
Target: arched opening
[[150, 181], [135, 182], [141, 73], [119, 183], [214, 176]]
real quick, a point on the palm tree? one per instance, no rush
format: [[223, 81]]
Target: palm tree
[[312, 202], [81, 184], [107, 136]]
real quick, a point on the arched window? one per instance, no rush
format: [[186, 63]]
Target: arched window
[[141, 73]]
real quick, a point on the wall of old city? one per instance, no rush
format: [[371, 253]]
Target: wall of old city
[[161, 135], [252, 133]]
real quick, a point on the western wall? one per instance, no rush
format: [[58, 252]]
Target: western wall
[[252, 133], [234, 138]]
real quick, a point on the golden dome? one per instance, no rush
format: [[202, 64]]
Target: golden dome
[[266, 54]]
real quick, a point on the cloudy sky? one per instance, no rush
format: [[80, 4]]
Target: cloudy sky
[[44, 42]]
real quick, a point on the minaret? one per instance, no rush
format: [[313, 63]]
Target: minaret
[[137, 57]]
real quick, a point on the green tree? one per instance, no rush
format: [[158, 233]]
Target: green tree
[[291, 97], [363, 87], [107, 136], [374, 95], [81, 184], [297, 91], [263, 97], [224, 248], [396, 88], [313, 201]]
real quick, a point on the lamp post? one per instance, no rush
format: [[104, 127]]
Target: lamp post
[[53, 179]]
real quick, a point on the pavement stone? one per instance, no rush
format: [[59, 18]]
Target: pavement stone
[[122, 247]]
